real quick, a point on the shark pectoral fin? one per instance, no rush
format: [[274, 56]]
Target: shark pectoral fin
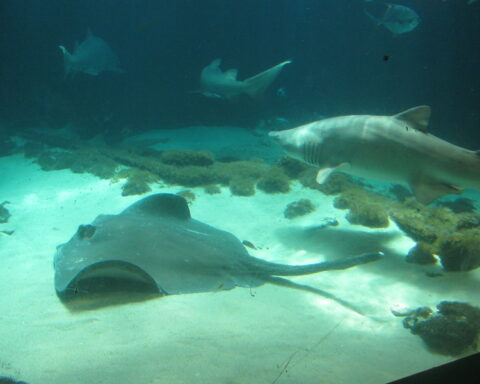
[[323, 173], [427, 190], [416, 117]]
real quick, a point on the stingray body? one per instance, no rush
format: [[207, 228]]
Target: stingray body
[[155, 240], [92, 56]]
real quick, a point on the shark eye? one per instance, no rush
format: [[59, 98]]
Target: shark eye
[[86, 231]]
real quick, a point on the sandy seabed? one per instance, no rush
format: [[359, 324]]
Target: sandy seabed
[[269, 334]]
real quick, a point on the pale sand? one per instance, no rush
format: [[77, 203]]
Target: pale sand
[[233, 337]]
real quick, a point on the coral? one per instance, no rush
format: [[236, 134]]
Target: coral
[[335, 184], [183, 158], [292, 168], [421, 254], [445, 335], [298, 208], [468, 221], [4, 213], [137, 181], [459, 205], [366, 208], [274, 181], [400, 192], [423, 224], [452, 330], [242, 186], [460, 251]]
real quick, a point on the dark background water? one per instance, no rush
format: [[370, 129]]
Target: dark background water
[[338, 66]]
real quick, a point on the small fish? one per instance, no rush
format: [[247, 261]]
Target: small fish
[[92, 56], [398, 19]]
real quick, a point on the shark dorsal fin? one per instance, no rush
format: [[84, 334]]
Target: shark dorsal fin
[[162, 204], [416, 117], [232, 73]]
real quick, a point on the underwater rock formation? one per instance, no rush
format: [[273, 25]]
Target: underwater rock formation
[[298, 208], [452, 330]]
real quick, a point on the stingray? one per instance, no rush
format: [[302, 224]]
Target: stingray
[[155, 242]]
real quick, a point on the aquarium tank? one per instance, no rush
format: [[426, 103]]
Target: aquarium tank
[[238, 192]]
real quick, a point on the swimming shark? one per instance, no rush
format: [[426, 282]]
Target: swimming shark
[[395, 149], [156, 242], [92, 56], [224, 85]]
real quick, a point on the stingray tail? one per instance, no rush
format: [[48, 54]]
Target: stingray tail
[[256, 85], [273, 269]]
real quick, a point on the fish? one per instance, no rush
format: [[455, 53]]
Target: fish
[[216, 83], [395, 149], [156, 242], [92, 56], [398, 19]]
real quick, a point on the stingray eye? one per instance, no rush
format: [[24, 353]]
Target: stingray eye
[[86, 231]]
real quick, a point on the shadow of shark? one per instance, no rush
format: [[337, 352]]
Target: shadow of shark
[[155, 245]]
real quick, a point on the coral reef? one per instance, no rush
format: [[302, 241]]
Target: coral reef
[[452, 330], [366, 208], [298, 208], [274, 181], [4, 213]]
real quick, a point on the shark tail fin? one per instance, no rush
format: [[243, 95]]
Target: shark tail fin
[[256, 85], [67, 60]]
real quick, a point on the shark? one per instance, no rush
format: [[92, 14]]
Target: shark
[[156, 243], [92, 56], [397, 149], [216, 83]]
